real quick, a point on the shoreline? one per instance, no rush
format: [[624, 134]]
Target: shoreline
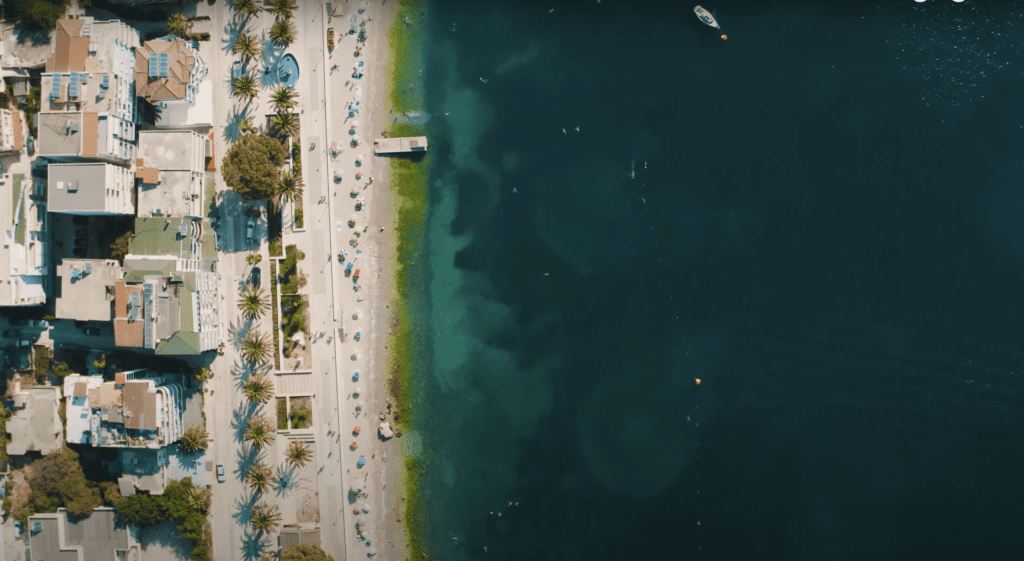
[[391, 487]]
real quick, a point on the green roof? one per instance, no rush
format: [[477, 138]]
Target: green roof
[[16, 194], [185, 318], [181, 343]]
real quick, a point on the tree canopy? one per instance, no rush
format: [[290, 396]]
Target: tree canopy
[[182, 502], [305, 552], [40, 14], [251, 166], [57, 480]]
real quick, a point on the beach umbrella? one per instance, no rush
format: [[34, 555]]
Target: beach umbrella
[[355, 376], [338, 173], [357, 391], [358, 484], [355, 137], [357, 315], [356, 356], [360, 405], [355, 189], [361, 461], [355, 123]]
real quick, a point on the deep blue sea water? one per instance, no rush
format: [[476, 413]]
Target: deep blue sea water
[[824, 226]]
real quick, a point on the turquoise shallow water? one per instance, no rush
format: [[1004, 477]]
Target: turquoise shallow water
[[820, 225]]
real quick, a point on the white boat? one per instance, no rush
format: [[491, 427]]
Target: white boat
[[709, 19]]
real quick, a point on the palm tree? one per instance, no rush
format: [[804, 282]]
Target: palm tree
[[255, 348], [248, 8], [259, 477], [281, 8], [259, 389], [285, 124], [179, 25], [282, 32], [259, 431], [247, 46], [298, 453], [253, 303], [265, 518], [290, 186], [194, 439], [283, 98], [245, 86]]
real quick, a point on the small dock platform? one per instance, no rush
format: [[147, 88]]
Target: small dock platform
[[400, 145]]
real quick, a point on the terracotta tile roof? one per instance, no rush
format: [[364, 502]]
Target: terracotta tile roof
[[90, 120], [105, 396], [127, 333], [148, 175], [18, 140], [139, 405], [180, 63], [81, 389], [70, 48]]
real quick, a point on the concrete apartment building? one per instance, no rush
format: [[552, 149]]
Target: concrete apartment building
[[35, 425], [93, 188], [139, 409], [171, 173], [168, 299], [85, 289], [141, 417], [168, 73], [97, 537], [25, 252], [87, 105]]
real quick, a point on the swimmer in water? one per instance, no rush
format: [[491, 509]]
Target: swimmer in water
[[577, 128], [563, 130], [482, 80]]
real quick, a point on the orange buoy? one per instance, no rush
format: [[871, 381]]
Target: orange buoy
[[696, 381], [724, 36]]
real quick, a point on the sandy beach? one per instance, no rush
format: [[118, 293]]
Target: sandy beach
[[384, 469]]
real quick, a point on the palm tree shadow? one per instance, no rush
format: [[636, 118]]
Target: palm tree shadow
[[231, 31], [272, 53], [285, 480], [254, 544], [233, 130], [243, 508], [238, 331], [246, 457], [240, 419]]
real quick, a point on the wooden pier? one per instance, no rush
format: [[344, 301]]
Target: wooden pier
[[400, 145]]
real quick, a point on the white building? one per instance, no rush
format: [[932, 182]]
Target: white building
[[25, 251], [171, 169], [168, 73], [95, 188], [88, 90], [130, 412], [11, 132]]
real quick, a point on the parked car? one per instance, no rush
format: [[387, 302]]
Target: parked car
[[31, 143], [81, 233], [254, 276], [220, 472], [12, 333], [249, 230], [92, 331], [79, 252], [23, 343]]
